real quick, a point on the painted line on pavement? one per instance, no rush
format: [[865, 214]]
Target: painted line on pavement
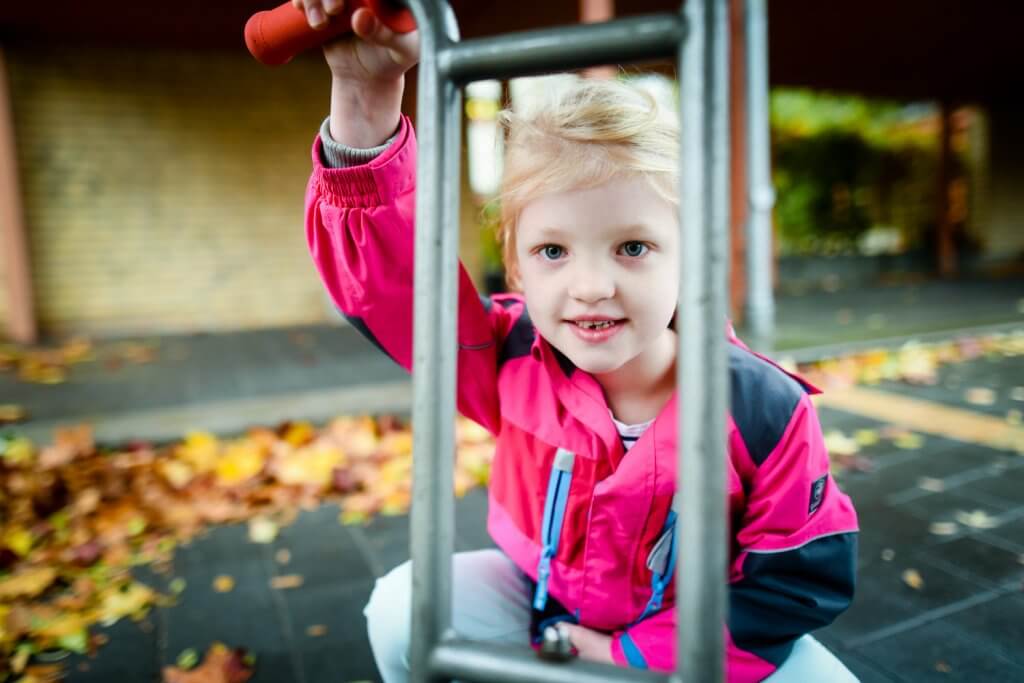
[[926, 417]]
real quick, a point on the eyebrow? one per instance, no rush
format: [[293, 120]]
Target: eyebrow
[[555, 232]]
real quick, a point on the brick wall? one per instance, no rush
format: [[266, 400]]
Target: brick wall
[[163, 190]]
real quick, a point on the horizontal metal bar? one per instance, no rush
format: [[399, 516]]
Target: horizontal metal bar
[[527, 53], [466, 660]]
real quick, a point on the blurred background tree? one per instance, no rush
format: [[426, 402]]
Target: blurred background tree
[[855, 175]]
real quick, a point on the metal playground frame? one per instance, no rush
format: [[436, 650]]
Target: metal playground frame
[[697, 37]]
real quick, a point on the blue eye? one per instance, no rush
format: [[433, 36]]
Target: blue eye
[[634, 249], [552, 252]]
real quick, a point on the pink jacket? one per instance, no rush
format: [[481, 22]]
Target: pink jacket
[[591, 525]]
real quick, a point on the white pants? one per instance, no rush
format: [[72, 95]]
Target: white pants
[[491, 602]]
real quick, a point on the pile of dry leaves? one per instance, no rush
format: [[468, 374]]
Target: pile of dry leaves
[[913, 362], [74, 517]]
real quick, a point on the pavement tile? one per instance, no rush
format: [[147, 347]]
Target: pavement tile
[[1006, 486], [322, 550], [941, 651], [983, 562], [948, 505], [386, 540], [863, 669], [243, 617], [938, 458], [1000, 623], [882, 599], [342, 653], [132, 654], [1012, 532], [887, 528], [471, 521]]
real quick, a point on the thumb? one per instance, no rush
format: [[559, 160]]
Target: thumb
[[404, 48]]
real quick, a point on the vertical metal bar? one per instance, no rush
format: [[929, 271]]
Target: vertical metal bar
[[439, 114], [701, 370], [760, 313]]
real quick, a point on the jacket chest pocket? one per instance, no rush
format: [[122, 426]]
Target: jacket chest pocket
[[661, 561]]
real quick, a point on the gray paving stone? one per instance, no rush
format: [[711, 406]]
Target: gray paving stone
[[132, 654], [941, 651], [883, 600], [985, 563]]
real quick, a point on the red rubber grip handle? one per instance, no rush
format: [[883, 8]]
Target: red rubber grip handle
[[277, 35]]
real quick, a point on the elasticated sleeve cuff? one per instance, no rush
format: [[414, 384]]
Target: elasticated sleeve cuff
[[374, 183]]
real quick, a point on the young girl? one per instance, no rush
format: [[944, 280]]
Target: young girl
[[575, 377]]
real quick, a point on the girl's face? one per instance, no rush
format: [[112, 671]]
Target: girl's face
[[599, 269]]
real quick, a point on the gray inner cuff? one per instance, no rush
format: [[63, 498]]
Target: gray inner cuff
[[336, 155]]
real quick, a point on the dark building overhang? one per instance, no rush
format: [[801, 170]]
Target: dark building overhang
[[960, 50]]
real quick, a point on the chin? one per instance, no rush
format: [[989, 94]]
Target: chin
[[595, 366]]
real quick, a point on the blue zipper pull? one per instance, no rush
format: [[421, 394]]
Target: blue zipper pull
[[540, 597]]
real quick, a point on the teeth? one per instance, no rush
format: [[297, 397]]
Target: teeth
[[594, 324]]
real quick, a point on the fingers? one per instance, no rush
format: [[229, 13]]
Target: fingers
[[403, 47], [319, 11]]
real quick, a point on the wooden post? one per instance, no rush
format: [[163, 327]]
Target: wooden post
[[946, 256], [737, 160], [21, 321]]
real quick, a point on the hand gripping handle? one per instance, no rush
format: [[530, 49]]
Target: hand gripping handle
[[277, 35]]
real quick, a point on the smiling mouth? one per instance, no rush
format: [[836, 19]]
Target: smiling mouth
[[595, 324]]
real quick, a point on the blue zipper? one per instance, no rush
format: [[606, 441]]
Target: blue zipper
[[554, 514]]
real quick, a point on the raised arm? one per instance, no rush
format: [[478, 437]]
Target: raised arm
[[360, 206]]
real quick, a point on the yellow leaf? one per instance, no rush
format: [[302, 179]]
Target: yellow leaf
[[242, 460], [127, 601], [943, 528], [396, 503], [286, 581], [18, 451], [223, 584], [397, 443], [27, 583], [262, 530], [866, 437], [10, 412], [976, 519], [299, 434], [353, 517], [912, 578], [838, 443], [199, 449], [19, 541], [177, 473], [908, 441], [980, 396], [65, 624], [312, 465]]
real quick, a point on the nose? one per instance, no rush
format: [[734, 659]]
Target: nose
[[590, 284]]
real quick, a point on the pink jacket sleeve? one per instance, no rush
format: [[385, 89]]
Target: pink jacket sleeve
[[794, 569], [359, 228]]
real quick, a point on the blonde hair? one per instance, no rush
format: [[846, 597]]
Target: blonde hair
[[580, 136]]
